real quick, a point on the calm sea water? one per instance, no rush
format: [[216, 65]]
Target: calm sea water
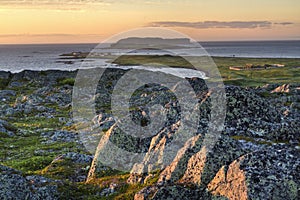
[[46, 56]]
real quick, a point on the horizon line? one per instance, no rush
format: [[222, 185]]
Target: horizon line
[[240, 40]]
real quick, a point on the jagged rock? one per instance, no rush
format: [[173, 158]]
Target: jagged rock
[[7, 128], [13, 185], [59, 136], [273, 173], [15, 84], [174, 171], [194, 164], [5, 75], [285, 88], [243, 104], [202, 166], [110, 190], [61, 97], [146, 193], [253, 116], [7, 95], [103, 120], [77, 158]]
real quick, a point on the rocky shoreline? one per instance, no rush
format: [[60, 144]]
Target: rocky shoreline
[[256, 157]]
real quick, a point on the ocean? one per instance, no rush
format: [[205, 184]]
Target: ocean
[[16, 58]]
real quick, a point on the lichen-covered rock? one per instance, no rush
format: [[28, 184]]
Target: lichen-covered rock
[[146, 193], [273, 173], [175, 170], [7, 128], [77, 157], [7, 95], [202, 166], [59, 136], [182, 192], [13, 185], [248, 114]]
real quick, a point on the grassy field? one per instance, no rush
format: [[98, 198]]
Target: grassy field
[[288, 74]]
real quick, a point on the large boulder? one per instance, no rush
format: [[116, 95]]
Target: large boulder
[[14, 185], [7, 128], [273, 173]]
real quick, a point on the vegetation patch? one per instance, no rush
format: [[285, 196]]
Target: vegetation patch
[[288, 74], [65, 81], [3, 83]]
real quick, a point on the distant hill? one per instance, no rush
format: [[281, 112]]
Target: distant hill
[[151, 42]]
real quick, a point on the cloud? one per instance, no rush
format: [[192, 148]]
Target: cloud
[[218, 24], [46, 35], [50, 2], [53, 4], [284, 23]]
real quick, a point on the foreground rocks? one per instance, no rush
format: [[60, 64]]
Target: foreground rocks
[[256, 156]]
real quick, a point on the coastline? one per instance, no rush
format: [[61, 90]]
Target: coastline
[[290, 73]]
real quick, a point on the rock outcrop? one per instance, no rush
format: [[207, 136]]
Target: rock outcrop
[[14, 185], [269, 174]]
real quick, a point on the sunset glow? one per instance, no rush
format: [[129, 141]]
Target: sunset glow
[[81, 21]]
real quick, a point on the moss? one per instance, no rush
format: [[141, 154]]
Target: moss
[[44, 73], [3, 83], [3, 135], [32, 123], [19, 152], [70, 190], [61, 169], [294, 189], [128, 192], [29, 165], [267, 94], [288, 103], [93, 189], [65, 81], [107, 179]]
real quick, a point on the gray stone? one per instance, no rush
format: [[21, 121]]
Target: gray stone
[[272, 173], [13, 185]]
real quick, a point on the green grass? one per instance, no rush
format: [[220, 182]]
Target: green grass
[[32, 123], [288, 74], [66, 81], [19, 152], [154, 60]]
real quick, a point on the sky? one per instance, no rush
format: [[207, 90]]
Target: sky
[[92, 21]]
